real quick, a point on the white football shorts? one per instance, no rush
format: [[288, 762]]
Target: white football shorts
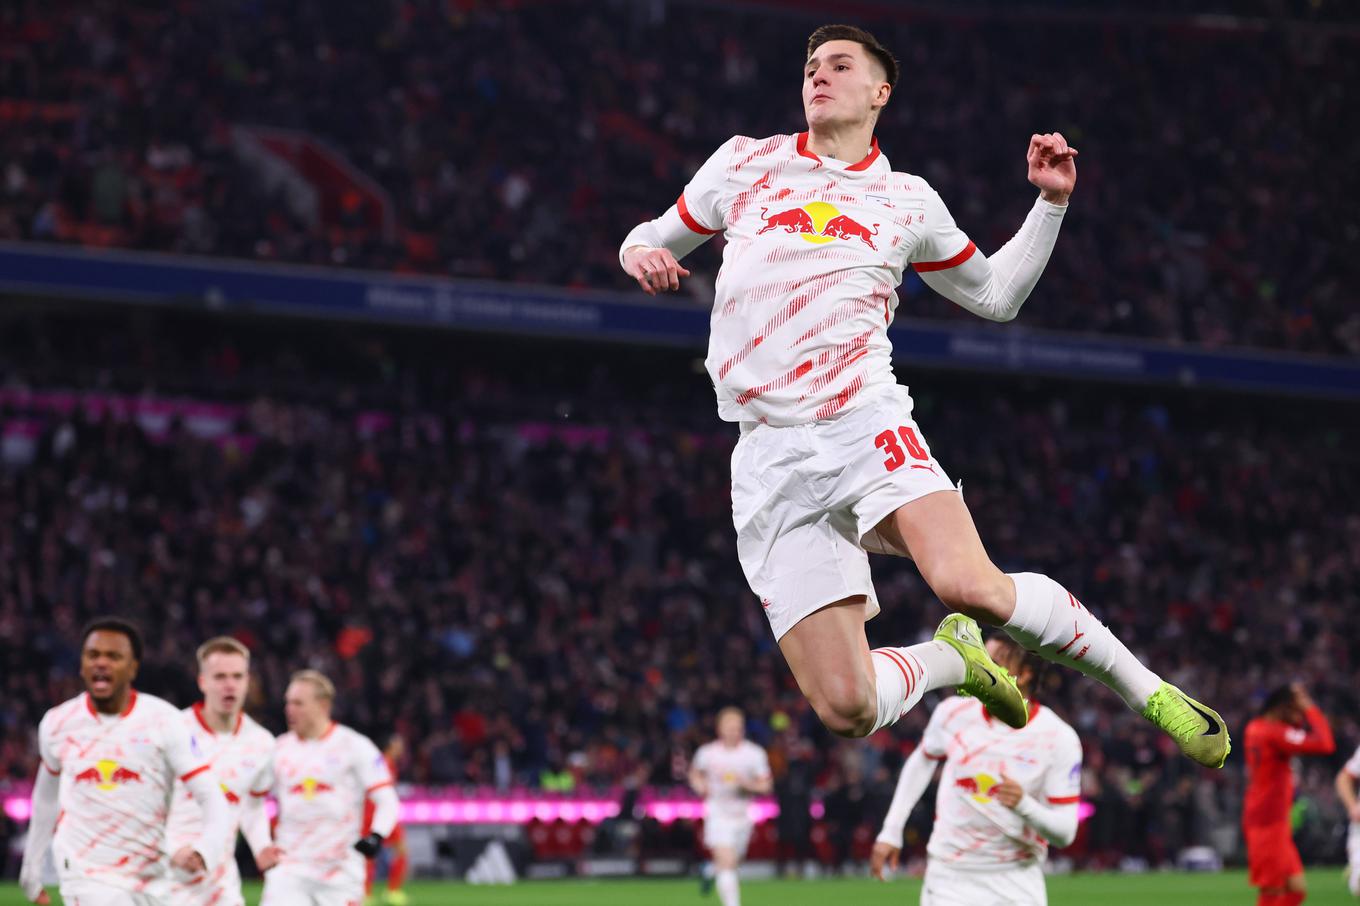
[[282, 888], [727, 832], [946, 885], [84, 892], [806, 500]]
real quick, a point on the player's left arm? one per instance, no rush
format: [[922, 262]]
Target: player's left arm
[[761, 782], [255, 818], [994, 287], [1056, 816], [380, 787], [198, 775]]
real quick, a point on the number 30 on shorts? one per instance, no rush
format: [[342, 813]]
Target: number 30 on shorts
[[887, 442]]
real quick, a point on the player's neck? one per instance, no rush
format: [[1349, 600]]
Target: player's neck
[[849, 142], [114, 705], [223, 723], [311, 733]]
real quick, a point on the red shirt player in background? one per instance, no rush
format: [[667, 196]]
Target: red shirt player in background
[[1290, 724], [395, 842]]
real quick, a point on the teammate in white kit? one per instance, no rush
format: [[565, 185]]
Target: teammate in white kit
[[1345, 788], [830, 464], [323, 773], [727, 772], [241, 752], [110, 759], [1004, 796]]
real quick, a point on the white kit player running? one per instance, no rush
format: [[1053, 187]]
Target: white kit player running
[[241, 752], [727, 772], [1004, 796], [323, 773], [1346, 780], [830, 465], [110, 759]]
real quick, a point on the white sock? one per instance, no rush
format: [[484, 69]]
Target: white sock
[[905, 674], [1049, 620], [728, 892]]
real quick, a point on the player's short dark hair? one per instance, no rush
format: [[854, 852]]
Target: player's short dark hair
[[853, 33], [115, 624], [1278, 698]]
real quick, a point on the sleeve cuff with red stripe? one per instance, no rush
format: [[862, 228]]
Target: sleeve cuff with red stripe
[[688, 218], [378, 786], [194, 773], [1063, 800], [964, 254]]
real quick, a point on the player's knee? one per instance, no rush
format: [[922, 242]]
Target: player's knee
[[980, 594], [1296, 884], [846, 705]]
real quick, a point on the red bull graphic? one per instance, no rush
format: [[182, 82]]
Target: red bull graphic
[[310, 787], [978, 788], [108, 775], [818, 222], [231, 797]]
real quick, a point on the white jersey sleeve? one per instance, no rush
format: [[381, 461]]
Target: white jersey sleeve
[[990, 287], [1353, 764], [942, 245], [697, 214], [934, 741], [1062, 782]]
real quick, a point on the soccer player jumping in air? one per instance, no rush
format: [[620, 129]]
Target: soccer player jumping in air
[[830, 464]]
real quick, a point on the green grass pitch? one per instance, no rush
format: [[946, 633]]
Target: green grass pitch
[[1326, 888]]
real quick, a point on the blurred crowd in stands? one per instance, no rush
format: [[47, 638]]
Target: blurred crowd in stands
[[521, 140], [519, 554]]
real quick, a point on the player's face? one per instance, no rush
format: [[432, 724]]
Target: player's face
[[304, 710], [224, 680], [731, 729], [107, 665], [842, 84]]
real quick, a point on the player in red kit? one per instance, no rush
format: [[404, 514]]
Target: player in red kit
[[395, 843], [1290, 724]]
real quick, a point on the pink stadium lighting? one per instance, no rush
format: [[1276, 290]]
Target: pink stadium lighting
[[521, 811]]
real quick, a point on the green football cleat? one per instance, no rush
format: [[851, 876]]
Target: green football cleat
[[1197, 728], [984, 680]]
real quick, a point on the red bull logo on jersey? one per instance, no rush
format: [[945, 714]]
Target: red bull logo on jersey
[[108, 775], [818, 222], [978, 788], [310, 787], [231, 797]]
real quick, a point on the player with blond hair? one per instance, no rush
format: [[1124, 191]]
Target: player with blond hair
[[241, 753], [324, 772], [727, 772]]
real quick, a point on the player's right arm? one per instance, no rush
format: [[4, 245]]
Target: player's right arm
[[916, 775], [652, 251], [698, 780], [1345, 786], [42, 821]]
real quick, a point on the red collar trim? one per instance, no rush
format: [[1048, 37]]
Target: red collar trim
[[862, 165], [202, 721], [132, 702]]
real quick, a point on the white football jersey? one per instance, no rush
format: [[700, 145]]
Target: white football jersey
[[815, 250], [725, 768], [971, 828], [1353, 764], [243, 762], [117, 775], [321, 785]]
